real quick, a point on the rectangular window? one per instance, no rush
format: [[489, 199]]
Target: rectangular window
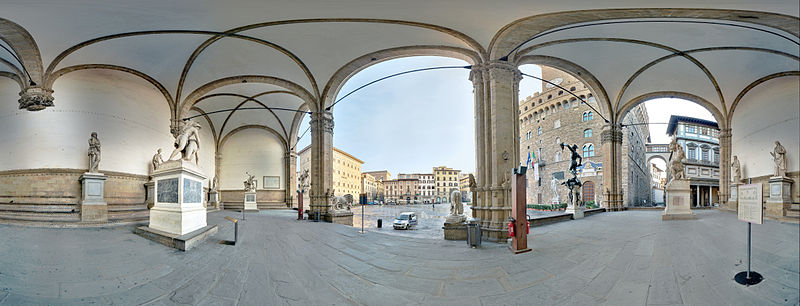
[[690, 129]]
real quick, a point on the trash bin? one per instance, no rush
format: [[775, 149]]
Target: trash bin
[[473, 232], [380, 223]]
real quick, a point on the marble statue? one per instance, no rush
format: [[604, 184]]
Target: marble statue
[[157, 160], [676, 160], [215, 183], [94, 153], [456, 208], [736, 172], [304, 180], [472, 183], [187, 143], [250, 183], [779, 158], [342, 202], [554, 188], [575, 157]]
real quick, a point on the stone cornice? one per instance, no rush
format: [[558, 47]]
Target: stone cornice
[[67, 171]]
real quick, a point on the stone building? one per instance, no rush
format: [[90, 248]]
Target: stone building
[[636, 170], [555, 116], [425, 187], [380, 176], [402, 191], [446, 180], [346, 171], [369, 186], [463, 184], [700, 140], [657, 181]]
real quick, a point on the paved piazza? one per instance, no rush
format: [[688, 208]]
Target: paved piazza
[[621, 258]]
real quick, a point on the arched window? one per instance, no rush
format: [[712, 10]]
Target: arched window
[[591, 115], [539, 131], [572, 88], [560, 92], [549, 97], [557, 124], [587, 133], [558, 140], [558, 156], [586, 116], [588, 150]]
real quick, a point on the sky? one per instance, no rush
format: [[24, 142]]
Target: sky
[[417, 121]]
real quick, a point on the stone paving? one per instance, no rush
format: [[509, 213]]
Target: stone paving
[[621, 258]]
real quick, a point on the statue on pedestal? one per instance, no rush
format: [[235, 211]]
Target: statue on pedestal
[[303, 180], [187, 143], [554, 187], [157, 160], [676, 160], [575, 157], [779, 158], [736, 172], [250, 183], [94, 153], [456, 208]]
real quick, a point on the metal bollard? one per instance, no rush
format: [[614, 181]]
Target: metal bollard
[[235, 231]]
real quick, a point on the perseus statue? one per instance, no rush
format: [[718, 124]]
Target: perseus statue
[[187, 143], [575, 157]]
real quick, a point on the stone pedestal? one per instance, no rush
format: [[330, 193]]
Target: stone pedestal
[[780, 197], [213, 199], [93, 207], [150, 198], [455, 231], [250, 201], [577, 212], [733, 199], [340, 217], [678, 199], [178, 207]]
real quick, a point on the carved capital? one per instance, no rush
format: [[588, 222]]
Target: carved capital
[[322, 120], [503, 70], [611, 133], [35, 98], [725, 133]]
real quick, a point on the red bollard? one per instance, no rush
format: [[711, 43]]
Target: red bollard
[[517, 229], [299, 205]]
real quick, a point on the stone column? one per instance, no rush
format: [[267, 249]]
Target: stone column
[[725, 168], [480, 203], [290, 161], [612, 166], [502, 145], [321, 161]]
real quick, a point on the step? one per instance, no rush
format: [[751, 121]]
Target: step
[[794, 206], [129, 215], [126, 207], [39, 208], [34, 216], [793, 213]]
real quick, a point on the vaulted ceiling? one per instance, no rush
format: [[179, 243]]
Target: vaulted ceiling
[[283, 54]]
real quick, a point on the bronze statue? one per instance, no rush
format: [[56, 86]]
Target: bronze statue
[[575, 157]]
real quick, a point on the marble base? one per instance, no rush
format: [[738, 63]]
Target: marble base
[[454, 219], [780, 197], [341, 217], [577, 213], [178, 208], [678, 199], [182, 242], [213, 199], [150, 190], [250, 201], [93, 206], [455, 231]]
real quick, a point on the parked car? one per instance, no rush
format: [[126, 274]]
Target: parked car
[[405, 220]]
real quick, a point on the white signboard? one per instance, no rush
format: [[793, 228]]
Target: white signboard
[[750, 203]]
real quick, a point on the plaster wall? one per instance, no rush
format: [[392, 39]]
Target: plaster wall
[[130, 116], [255, 151], [769, 112]]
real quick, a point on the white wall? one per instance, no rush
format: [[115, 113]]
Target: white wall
[[769, 112], [130, 116], [256, 151]]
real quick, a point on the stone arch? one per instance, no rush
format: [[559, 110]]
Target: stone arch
[[627, 106], [63, 71], [193, 97], [579, 73], [656, 156], [343, 74], [19, 39], [253, 126], [753, 85]]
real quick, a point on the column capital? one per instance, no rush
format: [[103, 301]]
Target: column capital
[[323, 121], [502, 70], [611, 133], [725, 133]]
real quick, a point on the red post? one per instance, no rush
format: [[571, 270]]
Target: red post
[[519, 243], [299, 205]]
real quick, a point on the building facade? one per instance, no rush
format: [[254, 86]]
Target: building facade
[[447, 180], [657, 180], [369, 186], [402, 191], [425, 186], [636, 171], [463, 184], [556, 116], [700, 141], [346, 171]]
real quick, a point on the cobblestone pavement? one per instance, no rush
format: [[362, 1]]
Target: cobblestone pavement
[[620, 258]]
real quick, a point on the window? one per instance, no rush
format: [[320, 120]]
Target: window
[[587, 133], [572, 88], [705, 154], [588, 150], [690, 129], [558, 156], [588, 116], [691, 154], [549, 97], [539, 131], [558, 140], [557, 124], [560, 92]]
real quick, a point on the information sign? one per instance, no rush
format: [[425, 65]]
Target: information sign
[[751, 203]]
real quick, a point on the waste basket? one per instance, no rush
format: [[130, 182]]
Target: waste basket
[[380, 223], [473, 232]]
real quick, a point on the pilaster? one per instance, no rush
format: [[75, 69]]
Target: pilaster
[[725, 168], [290, 162]]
